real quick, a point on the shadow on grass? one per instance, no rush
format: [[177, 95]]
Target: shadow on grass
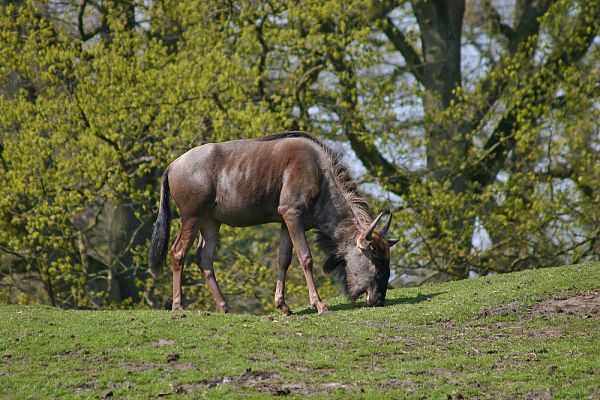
[[361, 303]]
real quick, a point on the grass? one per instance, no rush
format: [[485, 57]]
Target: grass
[[493, 337]]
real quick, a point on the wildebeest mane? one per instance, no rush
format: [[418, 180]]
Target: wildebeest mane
[[341, 173]]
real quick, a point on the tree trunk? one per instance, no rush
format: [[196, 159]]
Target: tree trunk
[[440, 24], [121, 226]]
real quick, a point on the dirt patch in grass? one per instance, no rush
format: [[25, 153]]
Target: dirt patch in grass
[[135, 367], [86, 386], [583, 304], [482, 332], [118, 385], [183, 366], [445, 373], [546, 332], [543, 394], [163, 342], [499, 311], [75, 353], [263, 381], [256, 379], [407, 384]]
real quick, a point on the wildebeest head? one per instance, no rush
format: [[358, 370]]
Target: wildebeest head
[[366, 264]]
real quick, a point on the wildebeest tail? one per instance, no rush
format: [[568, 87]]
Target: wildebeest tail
[[160, 235]]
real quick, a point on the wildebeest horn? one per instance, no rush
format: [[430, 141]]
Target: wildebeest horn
[[386, 228], [371, 227]]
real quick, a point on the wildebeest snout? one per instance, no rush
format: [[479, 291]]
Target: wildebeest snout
[[375, 300]]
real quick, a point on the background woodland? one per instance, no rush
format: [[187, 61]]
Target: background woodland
[[477, 122]]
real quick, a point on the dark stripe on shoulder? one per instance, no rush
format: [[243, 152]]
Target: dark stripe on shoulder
[[335, 156], [292, 134], [342, 172]]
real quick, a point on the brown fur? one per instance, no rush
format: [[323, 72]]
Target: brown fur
[[291, 178]]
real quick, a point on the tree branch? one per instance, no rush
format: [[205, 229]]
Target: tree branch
[[527, 27], [496, 20], [561, 171], [80, 15], [11, 252], [362, 143], [501, 142], [400, 42], [354, 127], [100, 136], [527, 19]]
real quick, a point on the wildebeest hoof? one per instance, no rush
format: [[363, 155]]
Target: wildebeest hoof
[[225, 310], [285, 310], [323, 309]]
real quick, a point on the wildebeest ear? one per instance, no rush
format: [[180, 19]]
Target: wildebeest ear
[[392, 242], [332, 262]]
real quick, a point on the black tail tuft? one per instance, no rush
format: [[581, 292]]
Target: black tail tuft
[[160, 235]]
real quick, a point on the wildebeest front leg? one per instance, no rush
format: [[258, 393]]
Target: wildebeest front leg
[[206, 256], [285, 258], [295, 225]]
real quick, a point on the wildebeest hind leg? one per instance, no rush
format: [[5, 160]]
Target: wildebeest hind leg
[[285, 258], [179, 250], [206, 253]]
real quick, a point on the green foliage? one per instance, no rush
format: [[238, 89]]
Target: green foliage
[[540, 210], [96, 100], [89, 125]]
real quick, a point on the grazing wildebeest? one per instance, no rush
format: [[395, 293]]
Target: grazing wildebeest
[[291, 178]]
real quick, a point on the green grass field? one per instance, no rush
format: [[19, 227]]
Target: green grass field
[[532, 334]]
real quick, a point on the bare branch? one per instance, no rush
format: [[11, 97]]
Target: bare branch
[[527, 21], [11, 252], [400, 42], [100, 136], [80, 14], [572, 49], [496, 20]]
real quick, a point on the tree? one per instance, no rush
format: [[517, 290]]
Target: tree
[[481, 122], [489, 145], [92, 112]]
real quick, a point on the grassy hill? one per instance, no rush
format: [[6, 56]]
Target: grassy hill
[[533, 334]]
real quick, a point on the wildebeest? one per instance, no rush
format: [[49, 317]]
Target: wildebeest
[[292, 178]]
